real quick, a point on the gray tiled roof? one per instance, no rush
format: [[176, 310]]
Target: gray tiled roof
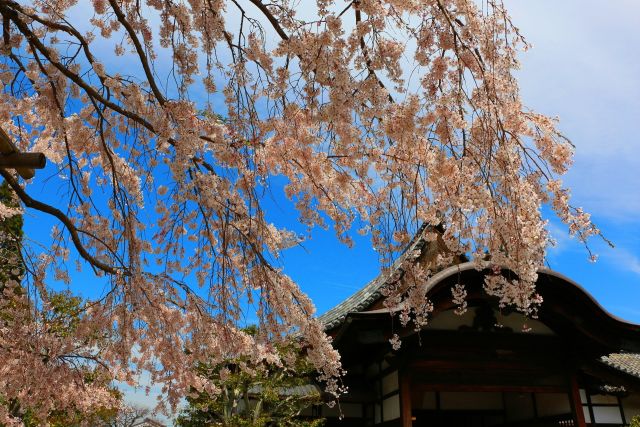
[[304, 390], [625, 362], [366, 296]]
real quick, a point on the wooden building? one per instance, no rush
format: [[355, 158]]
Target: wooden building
[[575, 365]]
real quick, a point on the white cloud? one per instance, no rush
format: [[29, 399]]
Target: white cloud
[[584, 68], [624, 260], [560, 235]]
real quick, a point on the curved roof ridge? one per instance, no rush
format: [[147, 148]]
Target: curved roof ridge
[[367, 295], [581, 288]]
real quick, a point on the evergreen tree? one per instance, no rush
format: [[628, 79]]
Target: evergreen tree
[[11, 261], [254, 394]]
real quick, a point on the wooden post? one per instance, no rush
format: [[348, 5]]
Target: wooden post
[[405, 399], [576, 403]]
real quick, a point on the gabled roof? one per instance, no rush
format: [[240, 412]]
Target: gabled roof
[[571, 305], [371, 292], [364, 298]]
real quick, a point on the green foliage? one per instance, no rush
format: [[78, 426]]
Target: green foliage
[[11, 262], [253, 394], [64, 314], [635, 421], [97, 417]]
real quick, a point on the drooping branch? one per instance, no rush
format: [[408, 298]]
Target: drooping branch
[[37, 44], [74, 232], [140, 51], [271, 18]]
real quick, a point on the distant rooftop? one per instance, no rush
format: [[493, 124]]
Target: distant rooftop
[[625, 362]]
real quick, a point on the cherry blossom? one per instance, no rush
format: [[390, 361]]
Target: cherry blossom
[[166, 122]]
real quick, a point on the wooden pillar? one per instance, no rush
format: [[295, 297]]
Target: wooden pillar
[[405, 399], [576, 403]]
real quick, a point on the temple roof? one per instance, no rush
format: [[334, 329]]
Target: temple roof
[[568, 306], [371, 292]]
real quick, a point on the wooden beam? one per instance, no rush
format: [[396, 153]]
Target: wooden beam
[[23, 163], [22, 160], [482, 365], [490, 388]]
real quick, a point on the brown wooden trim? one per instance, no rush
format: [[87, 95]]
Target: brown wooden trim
[[512, 365], [576, 403], [405, 398], [490, 388]]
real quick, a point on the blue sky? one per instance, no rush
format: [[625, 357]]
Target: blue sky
[[584, 68]]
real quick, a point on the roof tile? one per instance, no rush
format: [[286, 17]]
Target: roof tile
[[625, 362]]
